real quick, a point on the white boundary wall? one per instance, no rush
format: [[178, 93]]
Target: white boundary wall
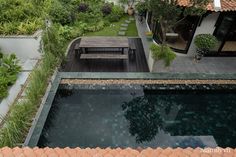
[[25, 47]]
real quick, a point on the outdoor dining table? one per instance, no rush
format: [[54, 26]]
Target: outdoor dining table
[[104, 42]]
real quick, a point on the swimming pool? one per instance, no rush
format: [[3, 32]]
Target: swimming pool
[[140, 116]]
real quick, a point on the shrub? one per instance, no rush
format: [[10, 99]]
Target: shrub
[[162, 52], [205, 41], [89, 17], [60, 14], [21, 16], [118, 11], [113, 18], [9, 70], [106, 9], [95, 27], [66, 32], [83, 7]]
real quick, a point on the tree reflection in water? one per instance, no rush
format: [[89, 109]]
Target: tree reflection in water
[[144, 117]]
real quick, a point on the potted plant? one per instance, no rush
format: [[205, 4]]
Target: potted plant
[[149, 35], [130, 4], [204, 43]]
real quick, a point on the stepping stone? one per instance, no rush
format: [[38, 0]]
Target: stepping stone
[[131, 19], [127, 21], [124, 25], [123, 28], [121, 33]]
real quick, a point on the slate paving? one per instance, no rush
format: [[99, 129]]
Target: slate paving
[[124, 25], [123, 28], [127, 21], [131, 19], [121, 33], [211, 65], [187, 64]]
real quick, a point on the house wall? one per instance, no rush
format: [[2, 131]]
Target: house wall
[[207, 26], [25, 47]]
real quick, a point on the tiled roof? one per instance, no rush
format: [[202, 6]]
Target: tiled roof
[[118, 152], [226, 5]]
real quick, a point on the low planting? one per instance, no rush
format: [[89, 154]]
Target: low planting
[[163, 52], [9, 69], [17, 123], [79, 18], [22, 16]]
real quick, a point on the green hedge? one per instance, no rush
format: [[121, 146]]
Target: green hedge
[[205, 41]]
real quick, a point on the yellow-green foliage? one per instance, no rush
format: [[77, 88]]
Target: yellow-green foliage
[[162, 52], [22, 16]]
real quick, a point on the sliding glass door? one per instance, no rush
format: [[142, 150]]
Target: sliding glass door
[[226, 34]]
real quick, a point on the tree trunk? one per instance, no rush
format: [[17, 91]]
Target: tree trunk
[[163, 30]]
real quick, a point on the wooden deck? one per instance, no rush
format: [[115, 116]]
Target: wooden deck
[[135, 63]]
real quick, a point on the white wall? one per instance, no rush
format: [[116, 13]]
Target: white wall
[[113, 1], [25, 47], [207, 26]]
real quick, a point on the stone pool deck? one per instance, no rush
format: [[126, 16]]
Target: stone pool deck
[[185, 63], [118, 152], [210, 65]]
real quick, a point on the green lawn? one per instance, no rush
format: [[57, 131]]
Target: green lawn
[[114, 28]]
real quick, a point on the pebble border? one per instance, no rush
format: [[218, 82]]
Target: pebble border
[[135, 81]]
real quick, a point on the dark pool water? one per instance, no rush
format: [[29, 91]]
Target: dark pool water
[[133, 117]]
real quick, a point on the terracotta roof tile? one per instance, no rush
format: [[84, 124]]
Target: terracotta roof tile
[[226, 5], [108, 152]]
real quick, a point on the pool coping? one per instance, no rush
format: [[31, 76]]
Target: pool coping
[[40, 119], [147, 75]]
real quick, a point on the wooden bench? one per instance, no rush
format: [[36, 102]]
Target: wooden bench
[[132, 47], [103, 56], [77, 48]]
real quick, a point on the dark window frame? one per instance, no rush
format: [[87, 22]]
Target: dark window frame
[[158, 41], [217, 25]]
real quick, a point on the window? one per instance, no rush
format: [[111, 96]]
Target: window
[[226, 33], [178, 37]]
